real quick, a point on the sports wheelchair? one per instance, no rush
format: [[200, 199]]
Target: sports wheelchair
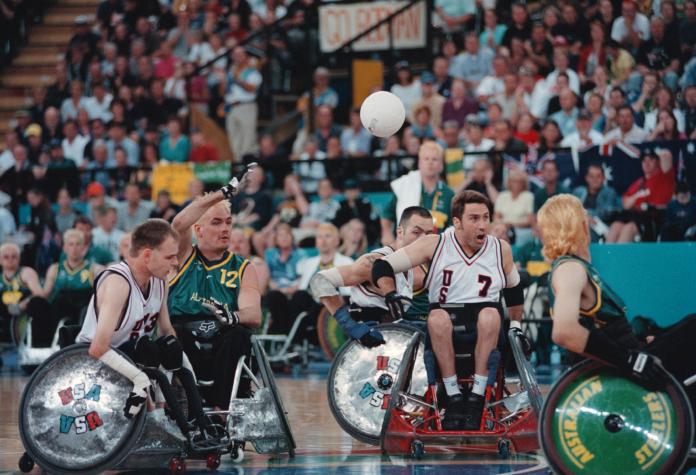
[[596, 420], [71, 419], [388, 395]]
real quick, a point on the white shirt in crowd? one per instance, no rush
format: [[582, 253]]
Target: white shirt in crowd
[[409, 95], [515, 211], [485, 145], [641, 25], [635, 135], [108, 240], [99, 110], [573, 140], [75, 150]]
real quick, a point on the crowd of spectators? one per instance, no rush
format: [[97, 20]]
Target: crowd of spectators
[[538, 76]]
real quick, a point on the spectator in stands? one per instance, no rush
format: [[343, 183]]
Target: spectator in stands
[[353, 239], [98, 169], [59, 90], [539, 49], [584, 135], [473, 63], [687, 31], [631, 27], [659, 53], [74, 144], [8, 225], [595, 106], [95, 253], [164, 208], [325, 127], [240, 246], [327, 241], [118, 139], [493, 84], [158, 108], [422, 127], [459, 105], [654, 189], [451, 138], [509, 99], [566, 117], [39, 103], [504, 139], [422, 187], [492, 32], [51, 129], [690, 112], [242, 82], [175, 146], [7, 160], [605, 14], [43, 249], [475, 141], [201, 150], [525, 130], [356, 141], [481, 179], [107, 235], [626, 131], [621, 64], [66, 215], [295, 205], [324, 210], [133, 210], [515, 205], [61, 172], [322, 93], [521, 27], [98, 105], [122, 173], [550, 137], [454, 15], [666, 128], [17, 180], [70, 106], [681, 214], [355, 206], [282, 263], [253, 207], [443, 81], [406, 87], [549, 174], [664, 102], [599, 199], [431, 98]]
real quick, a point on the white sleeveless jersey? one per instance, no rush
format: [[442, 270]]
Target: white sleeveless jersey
[[138, 318], [364, 297], [455, 279]]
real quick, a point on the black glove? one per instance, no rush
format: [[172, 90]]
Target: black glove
[[648, 370], [237, 184], [222, 313], [134, 403], [397, 305], [527, 347]]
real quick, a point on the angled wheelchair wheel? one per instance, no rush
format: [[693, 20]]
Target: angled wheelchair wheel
[[526, 372], [71, 414], [595, 420], [269, 381], [361, 380], [331, 335], [409, 360]]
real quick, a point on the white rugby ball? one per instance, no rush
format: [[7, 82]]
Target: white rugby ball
[[382, 113]]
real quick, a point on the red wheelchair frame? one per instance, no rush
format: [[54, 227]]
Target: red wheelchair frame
[[502, 430]]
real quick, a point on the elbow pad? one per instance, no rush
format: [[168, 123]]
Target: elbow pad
[[382, 268], [512, 279], [514, 295], [326, 283]]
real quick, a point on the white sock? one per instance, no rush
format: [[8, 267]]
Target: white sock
[[451, 385], [480, 383]]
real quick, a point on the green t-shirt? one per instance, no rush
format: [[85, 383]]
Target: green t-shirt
[[439, 202], [78, 279], [199, 280]]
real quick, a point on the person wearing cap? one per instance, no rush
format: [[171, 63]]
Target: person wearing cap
[[406, 87], [242, 83], [430, 98], [474, 62], [356, 206], [584, 135], [84, 37], [322, 93]]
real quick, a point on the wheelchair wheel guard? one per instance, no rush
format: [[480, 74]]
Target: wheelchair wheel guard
[[361, 379], [71, 414], [526, 373], [595, 420], [260, 419]]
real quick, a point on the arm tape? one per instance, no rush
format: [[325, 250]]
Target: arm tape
[[514, 295], [382, 268], [512, 278], [121, 365], [399, 261], [326, 283]]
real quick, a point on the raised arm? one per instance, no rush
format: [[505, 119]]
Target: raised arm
[[188, 216]]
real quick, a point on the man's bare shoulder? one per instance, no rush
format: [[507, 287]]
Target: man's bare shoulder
[[113, 286]]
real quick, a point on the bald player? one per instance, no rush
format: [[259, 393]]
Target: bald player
[[212, 283]]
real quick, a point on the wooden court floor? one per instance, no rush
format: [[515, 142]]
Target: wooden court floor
[[322, 447]]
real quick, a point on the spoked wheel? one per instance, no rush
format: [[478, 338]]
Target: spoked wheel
[[361, 380], [527, 374], [595, 420]]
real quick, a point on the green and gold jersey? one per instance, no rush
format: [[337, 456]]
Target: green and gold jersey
[[608, 306], [13, 290], [439, 203], [200, 280], [78, 279], [420, 307]]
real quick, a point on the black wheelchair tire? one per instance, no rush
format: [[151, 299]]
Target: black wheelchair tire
[[526, 373]]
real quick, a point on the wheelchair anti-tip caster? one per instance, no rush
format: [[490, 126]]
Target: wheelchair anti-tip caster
[[212, 461], [26, 463], [417, 449], [237, 453], [177, 466], [504, 448]]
